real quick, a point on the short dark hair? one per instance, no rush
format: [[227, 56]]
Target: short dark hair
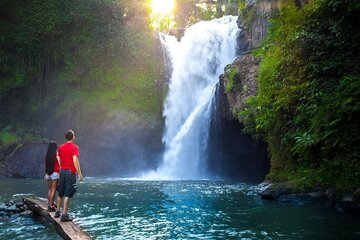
[[69, 135]]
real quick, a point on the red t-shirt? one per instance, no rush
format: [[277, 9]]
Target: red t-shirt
[[56, 166], [66, 153]]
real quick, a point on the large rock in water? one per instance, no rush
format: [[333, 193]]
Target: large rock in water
[[27, 161]]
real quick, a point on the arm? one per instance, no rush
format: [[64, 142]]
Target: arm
[[77, 166], [58, 159]]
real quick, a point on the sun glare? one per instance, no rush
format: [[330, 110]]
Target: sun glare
[[163, 7]]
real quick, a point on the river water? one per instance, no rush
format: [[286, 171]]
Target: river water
[[110, 208]]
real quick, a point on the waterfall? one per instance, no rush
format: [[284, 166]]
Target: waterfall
[[196, 63]]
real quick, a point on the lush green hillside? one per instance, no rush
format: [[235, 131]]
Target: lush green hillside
[[76, 60], [95, 66], [64, 61], [307, 107]]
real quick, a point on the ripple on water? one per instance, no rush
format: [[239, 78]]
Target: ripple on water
[[185, 210], [25, 227]]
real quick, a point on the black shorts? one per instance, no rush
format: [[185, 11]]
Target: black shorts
[[67, 184]]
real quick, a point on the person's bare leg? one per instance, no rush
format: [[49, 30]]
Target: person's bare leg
[[66, 205], [53, 191], [59, 201], [49, 192]]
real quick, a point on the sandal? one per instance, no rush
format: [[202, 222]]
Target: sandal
[[51, 209]]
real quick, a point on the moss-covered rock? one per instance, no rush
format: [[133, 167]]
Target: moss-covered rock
[[238, 82]]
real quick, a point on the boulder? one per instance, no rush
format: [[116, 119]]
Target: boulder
[[177, 32], [11, 208], [330, 197], [357, 195], [26, 161], [3, 207], [348, 203], [302, 198], [276, 190], [26, 213]]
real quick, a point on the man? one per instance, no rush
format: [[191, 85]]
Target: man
[[70, 166]]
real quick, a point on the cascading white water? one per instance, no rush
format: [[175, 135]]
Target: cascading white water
[[197, 61]]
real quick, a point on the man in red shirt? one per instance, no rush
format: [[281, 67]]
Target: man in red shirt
[[70, 166]]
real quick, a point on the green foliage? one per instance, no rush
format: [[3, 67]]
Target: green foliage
[[233, 81], [189, 12], [11, 134], [94, 56], [247, 13], [8, 138], [249, 117], [309, 94]]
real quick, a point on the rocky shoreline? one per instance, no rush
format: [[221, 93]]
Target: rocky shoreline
[[329, 197], [11, 208]]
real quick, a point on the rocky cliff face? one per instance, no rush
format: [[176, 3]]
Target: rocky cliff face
[[233, 153], [254, 21], [238, 83], [239, 80]]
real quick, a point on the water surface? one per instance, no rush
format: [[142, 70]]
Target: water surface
[[132, 209]]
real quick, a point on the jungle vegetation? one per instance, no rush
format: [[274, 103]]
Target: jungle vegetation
[[307, 107], [82, 61]]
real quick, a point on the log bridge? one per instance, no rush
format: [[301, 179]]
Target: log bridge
[[67, 230]]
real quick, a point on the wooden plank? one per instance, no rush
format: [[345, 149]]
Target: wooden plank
[[67, 230]]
